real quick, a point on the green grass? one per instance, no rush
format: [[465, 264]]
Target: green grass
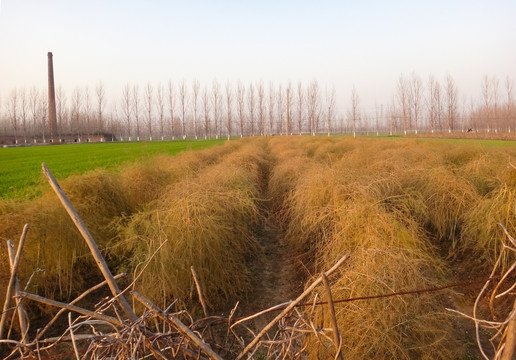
[[20, 168]]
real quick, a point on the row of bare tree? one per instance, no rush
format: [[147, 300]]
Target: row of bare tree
[[214, 110]]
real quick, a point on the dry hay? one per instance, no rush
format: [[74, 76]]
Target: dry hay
[[209, 223]]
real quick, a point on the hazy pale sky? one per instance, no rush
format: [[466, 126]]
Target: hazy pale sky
[[365, 43]]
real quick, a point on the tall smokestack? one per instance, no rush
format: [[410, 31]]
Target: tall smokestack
[[52, 118]]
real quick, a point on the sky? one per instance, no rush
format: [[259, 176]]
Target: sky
[[367, 44]]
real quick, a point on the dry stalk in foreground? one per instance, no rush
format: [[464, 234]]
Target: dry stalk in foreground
[[504, 340]]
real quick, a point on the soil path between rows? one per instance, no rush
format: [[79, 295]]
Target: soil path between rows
[[274, 275]]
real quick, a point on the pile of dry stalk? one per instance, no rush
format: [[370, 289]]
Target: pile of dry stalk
[[114, 330]]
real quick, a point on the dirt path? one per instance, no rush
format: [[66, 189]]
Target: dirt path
[[274, 275]]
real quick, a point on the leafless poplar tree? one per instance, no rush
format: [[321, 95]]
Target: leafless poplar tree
[[486, 100], [12, 110], [495, 88], [101, 96], [288, 111], [270, 106], [354, 112], [126, 108], [261, 109], [23, 113], [183, 100], [75, 120], [61, 110], [160, 107], [451, 102], [330, 105], [416, 95], [251, 106], [229, 109], [171, 106], [136, 110], [300, 103], [403, 101], [314, 110], [432, 103], [87, 113], [241, 106], [215, 89], [509, 115], [195, 88], [149, 105], [280, 112], [206, 112], [34, 102]]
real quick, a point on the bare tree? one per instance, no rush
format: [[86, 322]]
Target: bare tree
[[451, 102], [136, 110], [486, 100], [314, 110], [183, 100], [261, 109], [354, 112], [300, 102], [495, 88], [160, 107], [330, 105], [416, 94], [206, 110], [403, 101], [432, 103], [34, 102], [149, 105], [76, 110], [241, 106], [251, 105], [195, 88], [280, 112], [23, 110], [12, 110], [288, 111], [171, 106], [87, 112], [271, 104], [126, 108], [215, 89], [61, 111], [101, 98], [509, 116]]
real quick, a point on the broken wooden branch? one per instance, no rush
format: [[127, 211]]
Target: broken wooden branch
[[177, 324], [90, 241], [12, 280]]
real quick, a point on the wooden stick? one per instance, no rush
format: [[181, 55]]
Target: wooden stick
[[336, 334], [10, 286], [22, 314], [288, 308], [199, 292], [72, 335], [176, 323], [74, 301], [66, 306], [91, 243]]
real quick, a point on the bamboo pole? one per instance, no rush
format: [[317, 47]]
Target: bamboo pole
[[289, 307], [336, 334], [22, 314], [199, 292], [10, 286], [113, 286], [176, 323], [75, 308]]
